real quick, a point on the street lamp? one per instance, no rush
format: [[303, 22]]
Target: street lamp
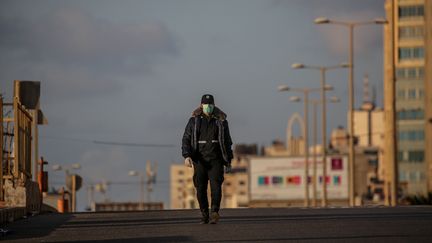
[[141, 181], [305, 91], [351, 25], [323, 70], [73, 181], [314, 138], [76, 166]]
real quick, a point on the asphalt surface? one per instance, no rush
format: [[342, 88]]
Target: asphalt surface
[[401, 224]]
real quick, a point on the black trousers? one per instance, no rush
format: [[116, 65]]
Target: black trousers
[[205, 171]]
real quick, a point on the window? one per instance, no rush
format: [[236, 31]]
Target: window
[[418, 52], [415, 73], [404, 53], [400, 156], [421, 93], [417, 135], [411, 32], [403, 32], [422, 176], [411, 53], [402, 136], [411, 94], [412, 73], [402, 176], [410, 114], [420, 72], [412, 135], [411, 11], [412, 176], [420, 135], [401, 115], [400, 73], [401, 94], [416, 156]]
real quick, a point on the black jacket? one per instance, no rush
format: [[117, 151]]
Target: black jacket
[[191, 135]]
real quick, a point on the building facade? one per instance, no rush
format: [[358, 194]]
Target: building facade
[[405, 57], [368, 126], [182, 188]]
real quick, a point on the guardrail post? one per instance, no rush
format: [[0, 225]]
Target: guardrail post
[[1, 149], [16, 146]]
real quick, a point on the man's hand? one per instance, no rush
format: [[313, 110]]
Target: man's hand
[[188, 162], [228, 168]]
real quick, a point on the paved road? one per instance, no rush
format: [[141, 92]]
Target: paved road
[[403, 224]]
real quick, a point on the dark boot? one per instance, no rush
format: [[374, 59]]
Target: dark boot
[[205, 217], [214, 218]]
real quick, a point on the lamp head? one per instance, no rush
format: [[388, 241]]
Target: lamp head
[[56, 167], [328, 87], [322, 20], [380, 21], [76, 166], [283, 87], [297, 65], [133, 173], [295, 99], [344, 65], [334, 99]]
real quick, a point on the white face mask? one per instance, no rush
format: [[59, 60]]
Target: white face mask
[[208, 108]]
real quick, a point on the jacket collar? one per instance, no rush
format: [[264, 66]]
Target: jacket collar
[[217, 113]]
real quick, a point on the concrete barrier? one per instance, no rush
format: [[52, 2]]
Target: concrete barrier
[[27, 196], [8, 215]]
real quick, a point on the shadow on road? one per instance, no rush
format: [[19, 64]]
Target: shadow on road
[[35, 227], [142, 239], [237, 219]]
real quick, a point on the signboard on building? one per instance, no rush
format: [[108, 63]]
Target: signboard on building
[[282, 178]]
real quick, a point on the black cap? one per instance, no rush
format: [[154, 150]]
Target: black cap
[[207, 99]]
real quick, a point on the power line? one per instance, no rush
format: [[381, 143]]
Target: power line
[[110, 183], [133, 144], [110, 143]]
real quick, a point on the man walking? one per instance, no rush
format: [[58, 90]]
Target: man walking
[[206, 146]]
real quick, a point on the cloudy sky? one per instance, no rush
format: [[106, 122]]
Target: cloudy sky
[[132, 71]]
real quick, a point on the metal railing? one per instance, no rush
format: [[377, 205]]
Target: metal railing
[[16, 141], [1, 149], [22, 141]]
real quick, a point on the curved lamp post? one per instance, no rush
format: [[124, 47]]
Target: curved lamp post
[[305, 91], [350, 26], [315, 104], [323, 70]]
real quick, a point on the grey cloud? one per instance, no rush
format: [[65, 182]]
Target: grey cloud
[[332, 5], [336, 37], [72, 36], [77, 54], [367, 37]]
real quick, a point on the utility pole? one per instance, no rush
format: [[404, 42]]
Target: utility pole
[[428, 93], [390, 159], [73, 189], [142, 191], [314, 165]]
